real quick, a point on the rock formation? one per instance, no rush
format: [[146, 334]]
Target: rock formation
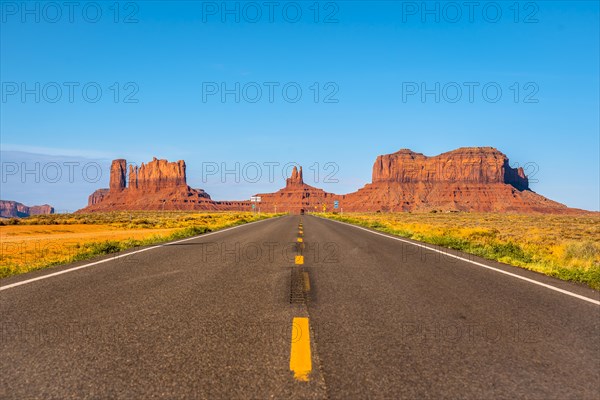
[[97, 196], [13, 209], [157, 175], [296, 178], [296, 196], [157, 185], [482, 165], [466, 179], [118, 172]]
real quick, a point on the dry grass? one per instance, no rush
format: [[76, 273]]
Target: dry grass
[[40, 241], [566, 247]]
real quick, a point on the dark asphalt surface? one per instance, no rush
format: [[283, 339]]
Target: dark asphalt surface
[[211, 318]]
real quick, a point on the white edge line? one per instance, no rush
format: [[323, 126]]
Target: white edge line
[[593, 301], [12, 285]]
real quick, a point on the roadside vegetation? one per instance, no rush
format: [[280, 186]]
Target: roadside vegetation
[[42, 241], [563, 246]]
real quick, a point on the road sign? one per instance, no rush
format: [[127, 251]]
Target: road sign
[[253, 206], [255, 199], [336, 204]]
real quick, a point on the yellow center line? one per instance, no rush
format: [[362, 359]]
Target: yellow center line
[[300, 359], [299, 260], [306, 282]]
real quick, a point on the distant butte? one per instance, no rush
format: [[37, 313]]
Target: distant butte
[[13, 209], [467, 179], [296, 196]]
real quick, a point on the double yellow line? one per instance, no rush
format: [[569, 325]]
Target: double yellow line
[[300, 258], [300, 356]]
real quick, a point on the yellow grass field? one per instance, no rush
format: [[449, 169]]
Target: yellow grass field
[[41, 241], [566, 247]]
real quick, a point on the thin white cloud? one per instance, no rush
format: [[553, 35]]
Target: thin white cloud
[[54, 151]]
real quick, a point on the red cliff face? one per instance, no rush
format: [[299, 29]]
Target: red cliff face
[[41, 210], [13, 209], [481, 165], [158, 185], [157, 175], [466, 179], [118, 172], [97, 196]]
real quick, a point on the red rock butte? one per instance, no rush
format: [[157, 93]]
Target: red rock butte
[[158, 185], [296, 196], [13, 209], [467, 179]]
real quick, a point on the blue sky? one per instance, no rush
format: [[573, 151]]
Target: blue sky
[[364, 59]]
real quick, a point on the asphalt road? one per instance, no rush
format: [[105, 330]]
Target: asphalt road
[[222, 316]]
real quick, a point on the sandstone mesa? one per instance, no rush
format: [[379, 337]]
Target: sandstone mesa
[[13, 209]]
